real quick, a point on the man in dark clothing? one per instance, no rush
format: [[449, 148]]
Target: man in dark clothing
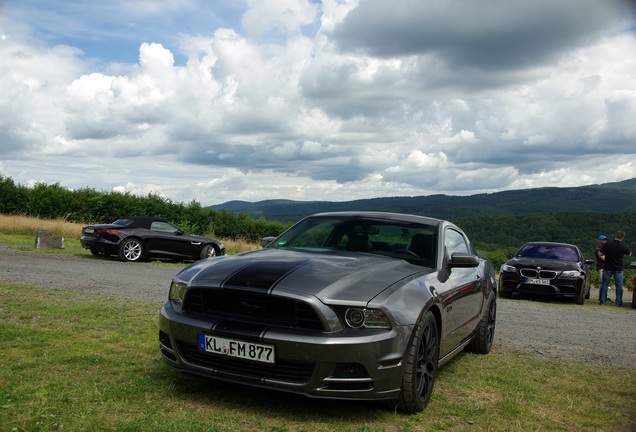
[[602, 239], [613, 251]]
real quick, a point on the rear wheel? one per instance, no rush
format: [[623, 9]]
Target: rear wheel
[[420, 366], [131, 250], [482, 343]]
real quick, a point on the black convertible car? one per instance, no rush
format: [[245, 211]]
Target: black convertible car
[[137, 238], [547, 269], [347, 305]]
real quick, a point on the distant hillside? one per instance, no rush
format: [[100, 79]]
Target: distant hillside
[[617, 197]]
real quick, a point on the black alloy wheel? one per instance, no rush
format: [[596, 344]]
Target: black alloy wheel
[[482, 342], [420, 366]]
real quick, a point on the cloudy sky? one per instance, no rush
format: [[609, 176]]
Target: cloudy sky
[[215, 100]]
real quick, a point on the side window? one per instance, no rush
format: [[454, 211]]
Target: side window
[[163, 227], [314, 237], [454, 242]]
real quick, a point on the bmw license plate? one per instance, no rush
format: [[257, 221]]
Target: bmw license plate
[[236, 348], [538, 281]]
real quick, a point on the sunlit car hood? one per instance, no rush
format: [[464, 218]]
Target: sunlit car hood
[[545, 264], [342, 276]]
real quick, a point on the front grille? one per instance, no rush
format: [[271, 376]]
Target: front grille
[[534, 273], [252, 308], [244, 370]]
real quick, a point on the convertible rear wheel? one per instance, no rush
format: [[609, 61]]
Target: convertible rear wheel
[[420, 366], [131, 250], [482, 343]]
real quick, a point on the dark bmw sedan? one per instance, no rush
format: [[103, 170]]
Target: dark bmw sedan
[[137, 238], [547, 269], [347, 305]]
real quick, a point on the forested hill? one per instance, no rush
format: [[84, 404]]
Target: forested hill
[[617, 197]]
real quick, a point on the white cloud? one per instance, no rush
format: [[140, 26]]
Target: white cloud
[[376, 99], [287, 16]]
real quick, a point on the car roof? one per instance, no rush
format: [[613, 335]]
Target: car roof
[[540, 243], [384, 215], [142, 221]]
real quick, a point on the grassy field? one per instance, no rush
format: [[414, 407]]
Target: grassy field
[[75, 361]]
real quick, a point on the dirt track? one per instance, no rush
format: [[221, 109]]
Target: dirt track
[[606, 336]]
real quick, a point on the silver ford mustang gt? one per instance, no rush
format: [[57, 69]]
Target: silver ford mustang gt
[[346, 305]]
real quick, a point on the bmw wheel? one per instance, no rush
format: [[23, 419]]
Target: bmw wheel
[[420, 366], [131, 250]]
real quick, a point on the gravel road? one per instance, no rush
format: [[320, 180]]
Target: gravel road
[[605, 336]]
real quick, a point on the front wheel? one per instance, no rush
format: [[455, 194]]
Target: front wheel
[[420, 366], [580, 298], [208, 251], [131, 250]]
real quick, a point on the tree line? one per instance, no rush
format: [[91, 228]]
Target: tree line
[[494, 236], [89, 206]]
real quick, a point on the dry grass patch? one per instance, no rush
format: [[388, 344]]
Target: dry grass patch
[[17, 224]]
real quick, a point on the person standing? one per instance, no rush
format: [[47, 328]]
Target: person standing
[[602, 239], [613, 252]]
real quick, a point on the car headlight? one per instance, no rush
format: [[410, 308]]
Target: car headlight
[[508, 268], [366, 318], [177, 293], [571, 273]]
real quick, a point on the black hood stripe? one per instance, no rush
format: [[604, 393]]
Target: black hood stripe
[[261, 275]]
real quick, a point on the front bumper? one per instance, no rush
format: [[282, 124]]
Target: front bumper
[[558, 287], [337, 365]]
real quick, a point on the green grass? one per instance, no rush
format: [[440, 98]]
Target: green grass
[[76, 361]]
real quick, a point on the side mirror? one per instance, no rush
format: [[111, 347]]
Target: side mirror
[[180, 232], [589, 261], [463, 260], [633, 265], [265, 241], [510, 255]]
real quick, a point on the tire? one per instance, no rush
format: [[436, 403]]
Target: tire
[[505, 294], [580, 299], [131, 250], [208, 251], [485, 336], [420, 366]]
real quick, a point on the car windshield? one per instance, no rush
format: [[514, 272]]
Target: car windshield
[[410, 241], [555, 252]]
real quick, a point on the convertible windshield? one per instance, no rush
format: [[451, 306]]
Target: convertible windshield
[[555, 252], [404, 240]]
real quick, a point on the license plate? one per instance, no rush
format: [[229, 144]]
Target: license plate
[[89, 231], [236, 348], [538, 281]]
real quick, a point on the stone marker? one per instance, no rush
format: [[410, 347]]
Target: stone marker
[[47, 240]]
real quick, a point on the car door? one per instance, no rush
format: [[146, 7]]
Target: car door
[[461, 296], [168, 240]]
